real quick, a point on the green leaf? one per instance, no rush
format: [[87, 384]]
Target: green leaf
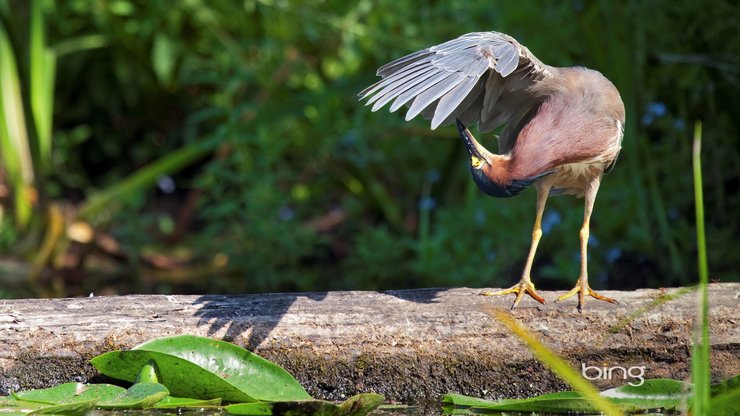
[[181, 377], [148, 374], [725, 397], [732, 383], [71, 393], [9, 406], [725, 403], [245, 370], [652, 394], [170, 402], [556, 402], [359, 405], [73, 408], [163, 57], [202, 368], [138, 396]]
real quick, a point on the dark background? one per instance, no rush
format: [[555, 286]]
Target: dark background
[[218, 146]]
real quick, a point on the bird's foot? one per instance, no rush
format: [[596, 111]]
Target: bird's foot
[[583, 289], [524, 286]]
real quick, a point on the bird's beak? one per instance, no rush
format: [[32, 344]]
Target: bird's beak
[[476, 151]]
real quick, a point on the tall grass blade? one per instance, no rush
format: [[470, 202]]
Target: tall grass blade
[[14, 144], [42, 68], [146, 176], [558, 366], [700, 364]]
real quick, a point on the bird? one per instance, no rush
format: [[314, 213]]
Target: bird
[[561, 128]]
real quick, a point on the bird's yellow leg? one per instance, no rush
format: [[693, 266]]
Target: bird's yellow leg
[[525, 285], [582, 288]]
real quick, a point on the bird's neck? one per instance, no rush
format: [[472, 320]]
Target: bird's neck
[[498, 169]]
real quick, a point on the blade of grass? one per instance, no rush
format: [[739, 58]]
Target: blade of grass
[[700, 364], [14, 145], [144, 177], [43, 64], [54, 231], [558, 366]]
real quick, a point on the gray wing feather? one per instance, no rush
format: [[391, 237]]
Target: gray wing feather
[[395, 89], [412, 68], [450, 101], [481, 77], [416, 89], [433, 93]]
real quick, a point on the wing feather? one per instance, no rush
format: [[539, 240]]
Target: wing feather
[[481, 77]]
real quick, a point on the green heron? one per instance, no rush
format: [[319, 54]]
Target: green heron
[[562, 127]]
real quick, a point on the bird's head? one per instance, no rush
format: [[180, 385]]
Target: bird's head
[[483, 165]]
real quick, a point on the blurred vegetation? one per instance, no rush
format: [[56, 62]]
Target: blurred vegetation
[[193, 146]]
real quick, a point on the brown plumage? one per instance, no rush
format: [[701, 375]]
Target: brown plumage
[[562, 127]]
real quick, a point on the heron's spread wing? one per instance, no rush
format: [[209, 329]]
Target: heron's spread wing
[[482, 77]]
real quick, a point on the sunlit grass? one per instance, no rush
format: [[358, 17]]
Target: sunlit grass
[[555, 363], [700, 363], [15, 147]]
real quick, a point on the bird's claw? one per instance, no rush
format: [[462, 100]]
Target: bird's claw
[[524, 286], [583, 290]]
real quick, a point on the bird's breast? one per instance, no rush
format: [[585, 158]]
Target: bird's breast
[[571, 179]]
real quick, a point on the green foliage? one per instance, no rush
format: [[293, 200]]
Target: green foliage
[[667, 395], [309, 190], [663, 395], [205, 370]]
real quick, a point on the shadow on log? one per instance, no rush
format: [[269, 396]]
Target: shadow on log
[[409, 345]]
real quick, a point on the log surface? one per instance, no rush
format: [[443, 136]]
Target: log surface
[[410, 345]]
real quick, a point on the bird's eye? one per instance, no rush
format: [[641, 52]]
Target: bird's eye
[[476, 162]]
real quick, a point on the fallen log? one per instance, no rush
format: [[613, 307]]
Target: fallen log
[[410, 345]]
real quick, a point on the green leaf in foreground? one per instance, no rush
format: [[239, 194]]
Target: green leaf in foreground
[[652, 394], [203, 368], [568, 401], [181, 377], [247, 371], [71, 393], [359, 405]]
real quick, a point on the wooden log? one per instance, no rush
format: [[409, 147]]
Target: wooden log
[[411, 345]]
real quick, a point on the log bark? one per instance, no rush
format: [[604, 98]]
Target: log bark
[[411, 345]]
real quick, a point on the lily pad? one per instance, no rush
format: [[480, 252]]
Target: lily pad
[[247, 371], [203, 368], [182, 378]]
